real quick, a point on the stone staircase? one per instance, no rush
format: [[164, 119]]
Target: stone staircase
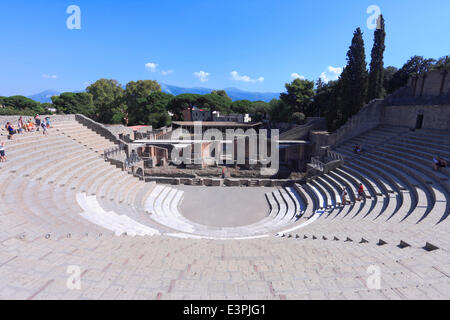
[[406, 201]]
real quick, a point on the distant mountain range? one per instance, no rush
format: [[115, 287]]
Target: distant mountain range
[[233, 93], [44, 96]]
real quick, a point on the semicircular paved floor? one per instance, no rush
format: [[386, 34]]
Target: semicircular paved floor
[[224, 206]]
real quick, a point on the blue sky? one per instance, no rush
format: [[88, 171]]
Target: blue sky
[[254, 45]]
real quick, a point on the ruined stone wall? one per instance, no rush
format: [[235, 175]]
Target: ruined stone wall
[[369, 117], [434, 83], [434, 117]]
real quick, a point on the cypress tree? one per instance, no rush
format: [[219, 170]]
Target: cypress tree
[[354, 78], [376, 76]]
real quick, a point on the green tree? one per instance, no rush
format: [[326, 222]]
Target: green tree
[[158, 115], [260, 110], [182, 102], [221, 93], [325, 99], [388, 74], [214, 102], [135, 94], [73, 103], [354, 77], [155, 110], [298, 117], [376, 75], [280, 111], [442, 64], [330, 101], [107, 96], [21, 103], [299, 95], [413, 67], [242, 107]]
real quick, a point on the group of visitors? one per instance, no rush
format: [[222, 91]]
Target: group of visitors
[[438, 162], [24, 126], [28, 126], [361, 194]]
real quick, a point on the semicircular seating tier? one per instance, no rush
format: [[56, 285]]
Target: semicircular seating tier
[[61, 201]]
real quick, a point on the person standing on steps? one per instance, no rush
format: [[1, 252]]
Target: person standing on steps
[[357, 149], [442, 162], [344, 196], [361, 194], [44, 128], [438, 162], [48, 122], [11, 130], [20, 125], [37, 121]]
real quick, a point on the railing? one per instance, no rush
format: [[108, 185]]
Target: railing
[[98, 128], [334, 155], [114, 152], [132, 160], [317, 164]]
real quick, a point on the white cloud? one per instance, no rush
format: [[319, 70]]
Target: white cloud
[[151, 66], [47, 76], [165, 73], [331, 74], [235, 76], [202, 75], [297, 76]]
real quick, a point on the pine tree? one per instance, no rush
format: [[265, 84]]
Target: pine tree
[[354, 78], [376, 76]]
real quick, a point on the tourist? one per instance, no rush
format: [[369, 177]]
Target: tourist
[[344, 196], [435, 163], [2, 152], [48, 122], [11, 130], [361, 194], [438, 162], [44, 128], [20, 125], [37, 121], [30, 126], [442, 162], [357, 149]]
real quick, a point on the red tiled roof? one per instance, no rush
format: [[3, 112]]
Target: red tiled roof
[[138, 127]]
